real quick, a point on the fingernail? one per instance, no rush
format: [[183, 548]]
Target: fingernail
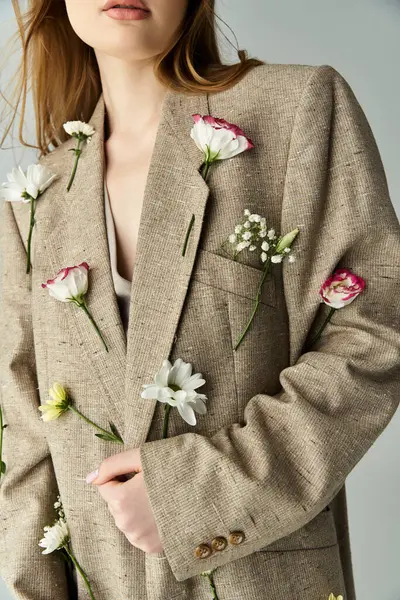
[[92, 476]]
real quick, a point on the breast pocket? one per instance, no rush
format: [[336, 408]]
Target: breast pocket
[[264, 349], [234, 277]]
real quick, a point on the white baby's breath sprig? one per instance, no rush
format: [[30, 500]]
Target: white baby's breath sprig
[[83, 133], [252, 233], [57, 538], [176, 386], [27, 189]]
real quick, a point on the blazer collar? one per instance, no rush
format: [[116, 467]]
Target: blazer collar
[[174, 191]]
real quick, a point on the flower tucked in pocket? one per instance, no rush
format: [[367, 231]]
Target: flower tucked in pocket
[[251, 233]]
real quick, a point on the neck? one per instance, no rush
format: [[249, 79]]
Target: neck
[[133, 96]]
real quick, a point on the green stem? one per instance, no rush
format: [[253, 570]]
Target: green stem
[[31, 224], [78, 152], [205, 169], [108, 433], [85, 308], [166, 419], [79, 569], [204, 173], [320, 330], [256, 302], [2, 465], [212, 586], [187, 235]]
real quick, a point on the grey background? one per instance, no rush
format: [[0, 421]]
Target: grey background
[[360, 38]]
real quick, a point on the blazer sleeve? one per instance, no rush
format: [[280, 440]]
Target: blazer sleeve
[[28, 489], [275, 473]]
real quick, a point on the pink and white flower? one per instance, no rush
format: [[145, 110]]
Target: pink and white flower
[[70, 285], [341, 288], [217, 138]]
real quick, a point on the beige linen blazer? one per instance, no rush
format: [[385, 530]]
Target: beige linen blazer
[[283, 428]]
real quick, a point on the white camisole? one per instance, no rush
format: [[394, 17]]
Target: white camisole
[[122, 286]]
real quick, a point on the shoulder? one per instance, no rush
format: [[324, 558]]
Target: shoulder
[[284, 86]]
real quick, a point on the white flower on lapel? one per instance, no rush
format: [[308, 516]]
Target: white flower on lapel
[[252, 233], [218, 140], [57, 538], [70, 285], [27, 188], [59, 402], [56, 405], [21, 187], [176, 386], [83, 133]]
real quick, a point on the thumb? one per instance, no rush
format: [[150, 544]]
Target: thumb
[[118, 464]]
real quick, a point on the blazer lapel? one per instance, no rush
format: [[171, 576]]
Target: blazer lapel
[[174, 191], [77, 233]]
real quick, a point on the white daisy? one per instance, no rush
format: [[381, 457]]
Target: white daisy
[[55, 537], [176, 386]]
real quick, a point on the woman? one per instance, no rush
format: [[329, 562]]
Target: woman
[[252, 493]]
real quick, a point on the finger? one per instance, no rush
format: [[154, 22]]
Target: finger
[[118, 464], [109, 491]]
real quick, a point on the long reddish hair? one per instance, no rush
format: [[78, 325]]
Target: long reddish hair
[[65, 76]]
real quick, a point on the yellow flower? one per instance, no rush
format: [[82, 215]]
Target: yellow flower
[[332, 597], [56, 405]]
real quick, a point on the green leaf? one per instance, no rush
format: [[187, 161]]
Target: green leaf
[[115, 430], [2, 467], [103, 436]]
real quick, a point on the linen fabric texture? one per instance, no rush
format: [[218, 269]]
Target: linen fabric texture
[[284, 427]]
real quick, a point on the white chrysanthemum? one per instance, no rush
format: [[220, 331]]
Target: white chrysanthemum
[[56, 405], [36, 181], [79, 128], [54, 537], [247, 224], [246, 212], [252, 248], [262, 233], [292, 258], [247, 235], [238, 228], [232, 238], [256, 218], [264, 256], [265, 246], [276, 258], [271, 234], [175, 385]]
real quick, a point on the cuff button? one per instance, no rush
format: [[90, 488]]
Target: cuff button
[[236, 537], [202, 551], [219, 543]]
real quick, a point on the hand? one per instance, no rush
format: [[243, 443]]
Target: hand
[[128, 501]]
